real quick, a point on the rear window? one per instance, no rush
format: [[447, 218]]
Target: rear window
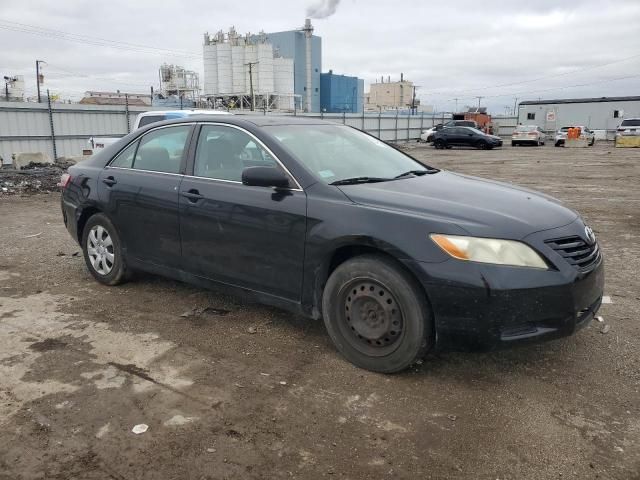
[[150, 119], [631, 122], [526, 128]]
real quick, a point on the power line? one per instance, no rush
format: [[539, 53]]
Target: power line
[[545, 77], [88, 40]]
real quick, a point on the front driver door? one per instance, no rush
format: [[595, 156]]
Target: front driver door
[[252, 237]]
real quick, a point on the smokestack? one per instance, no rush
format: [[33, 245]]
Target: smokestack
[[381, 78], [308, 32], [389, 80], [401, 77]]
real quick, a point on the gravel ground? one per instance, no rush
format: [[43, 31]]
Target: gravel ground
[[241, 391]]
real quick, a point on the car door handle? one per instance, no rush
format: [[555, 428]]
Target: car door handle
[[110, 181], [192, 195]]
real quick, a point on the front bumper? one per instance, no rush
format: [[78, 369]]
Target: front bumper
[[488, 306]]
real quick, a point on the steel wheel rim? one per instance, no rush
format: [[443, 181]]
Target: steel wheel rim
[[100, 250], [370, 317]]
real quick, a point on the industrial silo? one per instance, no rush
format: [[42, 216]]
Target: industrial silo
[[283, 82]]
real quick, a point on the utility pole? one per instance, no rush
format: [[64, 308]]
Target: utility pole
[[7, 80], [253, 100], [456, 99], [479, 98], [38, 62], [515, 103]]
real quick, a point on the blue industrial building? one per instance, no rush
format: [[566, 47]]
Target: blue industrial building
[[292, 44], [340, 93]]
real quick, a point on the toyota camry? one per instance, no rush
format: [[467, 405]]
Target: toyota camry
[[398, 258]]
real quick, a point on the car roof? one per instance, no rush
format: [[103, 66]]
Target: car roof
[[184, 112]]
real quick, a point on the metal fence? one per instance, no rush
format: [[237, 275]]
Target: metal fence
[[63, 130]]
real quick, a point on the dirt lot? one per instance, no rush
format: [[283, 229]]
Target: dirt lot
[[245, 391]]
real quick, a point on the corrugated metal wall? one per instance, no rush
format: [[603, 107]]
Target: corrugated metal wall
[[26, 127]]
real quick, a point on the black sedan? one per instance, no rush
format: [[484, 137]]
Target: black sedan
[[397, 257], [465, 137]]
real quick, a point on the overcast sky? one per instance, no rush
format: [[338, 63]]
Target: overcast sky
[[496, 49]]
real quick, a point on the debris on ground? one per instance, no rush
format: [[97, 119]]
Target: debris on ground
[[198, 311], [33, 235], [605, 329], [140, 428], [252, 330], [599, 319], [606, 299], [33, 178]]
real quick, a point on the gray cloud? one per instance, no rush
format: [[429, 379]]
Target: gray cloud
[[322, 8], [457, 50]]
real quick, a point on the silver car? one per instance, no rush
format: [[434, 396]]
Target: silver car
[[528, 135]]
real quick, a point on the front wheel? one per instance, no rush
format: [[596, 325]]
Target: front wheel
[[439, 144], [103, 251], [376, 314], [482, 145]]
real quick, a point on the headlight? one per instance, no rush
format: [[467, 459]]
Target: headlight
[[489, 250]]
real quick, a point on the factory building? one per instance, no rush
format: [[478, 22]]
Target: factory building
[[390, 95], [340, 93], [305, 49], [602, 114], [241, 70]]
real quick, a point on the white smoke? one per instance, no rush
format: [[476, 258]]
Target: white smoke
[[322, 8]]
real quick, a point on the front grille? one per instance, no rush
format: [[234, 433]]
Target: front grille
[[577, 252]]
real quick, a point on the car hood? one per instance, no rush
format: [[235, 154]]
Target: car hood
[[481, 207]]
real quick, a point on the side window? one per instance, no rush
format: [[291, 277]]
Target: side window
[[146, 120], [125, 157], [531, 116], [162, 150], [223, 152]]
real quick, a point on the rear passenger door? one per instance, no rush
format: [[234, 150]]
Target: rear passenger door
[[140, 191], [247, 236]]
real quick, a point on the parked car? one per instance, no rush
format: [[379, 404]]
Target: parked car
[[427, 135], [398, 258], [561, 135], [629, 127], [528, 135], [146, 118], [465, 137]]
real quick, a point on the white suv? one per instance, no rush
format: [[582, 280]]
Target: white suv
[[629, 127]]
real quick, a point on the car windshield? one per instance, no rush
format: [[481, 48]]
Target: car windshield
[[336, 152], [631, 122]]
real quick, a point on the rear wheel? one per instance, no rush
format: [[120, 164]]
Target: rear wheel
[[513, 144], [376, 314], [102, 250]]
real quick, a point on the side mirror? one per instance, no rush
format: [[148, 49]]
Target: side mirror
[[264, 177]]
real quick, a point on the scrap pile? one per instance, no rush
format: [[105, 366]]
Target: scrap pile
[[33, 178]]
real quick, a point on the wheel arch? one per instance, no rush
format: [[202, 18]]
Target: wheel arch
[[351, 248], [83, 217]]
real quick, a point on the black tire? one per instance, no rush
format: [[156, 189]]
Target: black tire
[[482, 145], [592, 142], [557, 144], [397, 328], [117, 272], [439, 144], [513, 144]]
